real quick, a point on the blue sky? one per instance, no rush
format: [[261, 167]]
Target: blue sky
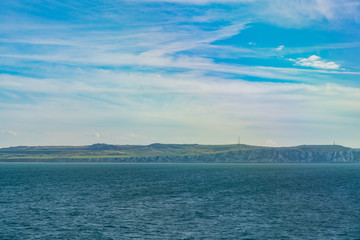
[[276, 73]]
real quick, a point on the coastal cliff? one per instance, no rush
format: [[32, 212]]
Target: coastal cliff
[[258, 155]]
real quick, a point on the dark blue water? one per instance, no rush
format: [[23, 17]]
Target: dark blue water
[[179, 201]]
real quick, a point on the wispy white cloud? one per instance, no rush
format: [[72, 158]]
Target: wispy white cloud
[[271, 143], [279, 48], [94, 135], [9, 132], [159, 54], [293, 13], [315, 62]]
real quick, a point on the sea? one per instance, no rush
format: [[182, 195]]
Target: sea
[[179, 201]]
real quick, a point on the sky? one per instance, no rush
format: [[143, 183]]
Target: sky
[[272, 72]]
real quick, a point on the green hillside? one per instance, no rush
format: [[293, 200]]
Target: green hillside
[[112, 151], [322, 148]]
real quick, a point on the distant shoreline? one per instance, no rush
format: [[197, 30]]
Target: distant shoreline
[[181, 153]]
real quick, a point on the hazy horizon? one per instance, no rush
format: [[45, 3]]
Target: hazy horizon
[[275, 73]]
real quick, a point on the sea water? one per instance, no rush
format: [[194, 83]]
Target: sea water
[[179, 201]]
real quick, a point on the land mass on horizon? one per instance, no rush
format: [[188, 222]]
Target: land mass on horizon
[[179, 153]]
